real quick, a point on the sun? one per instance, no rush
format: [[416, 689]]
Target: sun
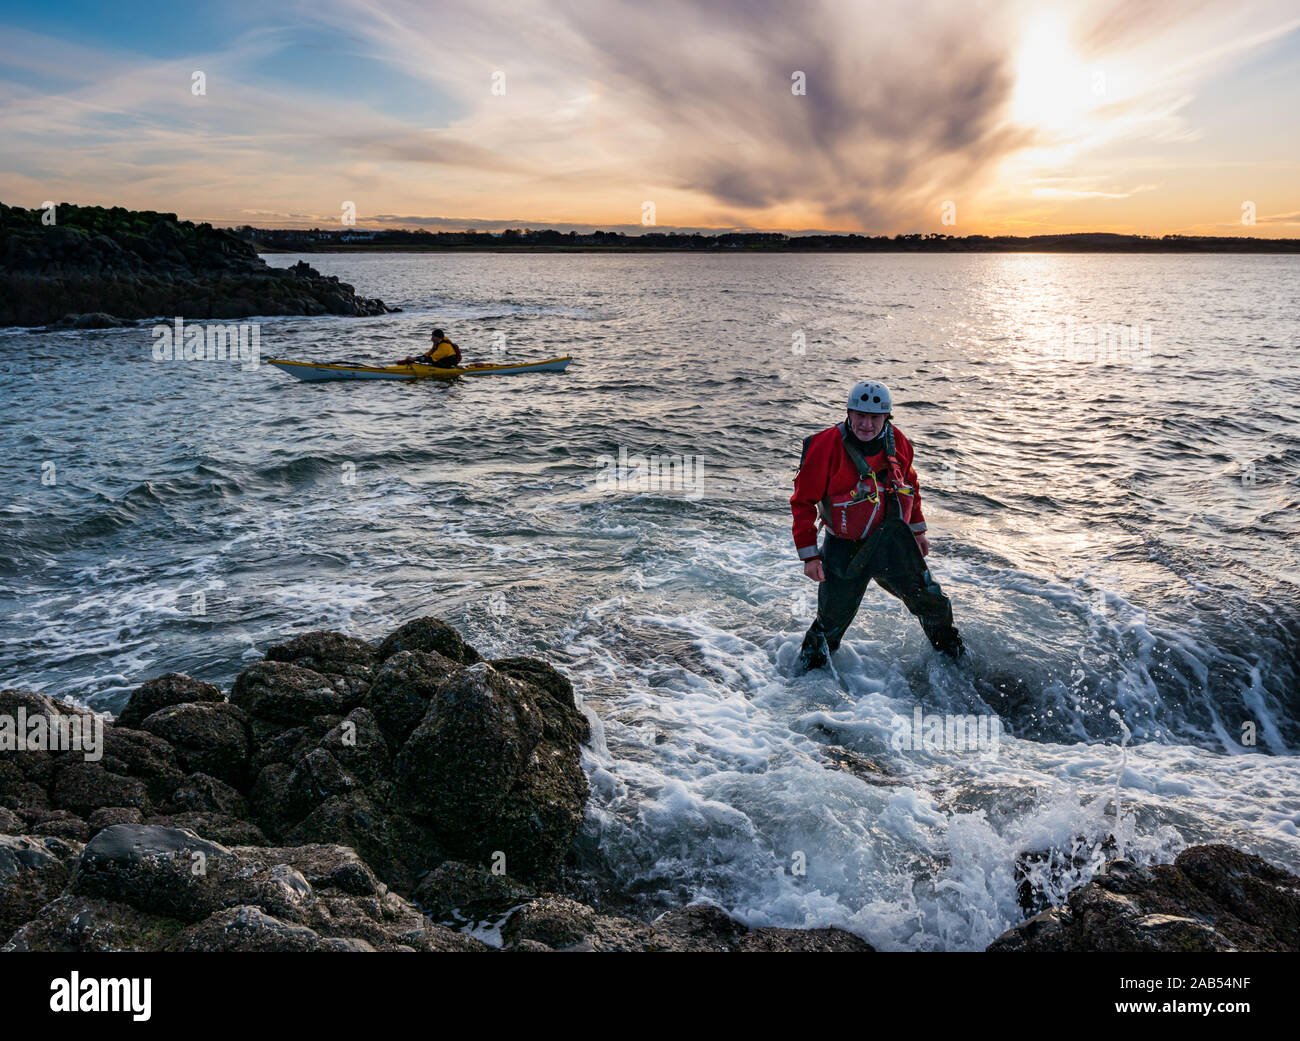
[[1054, 87]]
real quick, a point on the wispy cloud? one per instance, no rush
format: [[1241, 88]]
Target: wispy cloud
[[599, 108]]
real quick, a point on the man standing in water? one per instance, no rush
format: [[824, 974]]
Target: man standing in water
[[858, 477]]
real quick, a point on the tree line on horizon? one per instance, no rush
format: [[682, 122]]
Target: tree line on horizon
[[118, 221], [302, 239]]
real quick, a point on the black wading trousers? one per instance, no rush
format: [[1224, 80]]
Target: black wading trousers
[[894, 560]]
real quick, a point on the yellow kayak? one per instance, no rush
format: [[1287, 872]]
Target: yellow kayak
[[343, 370]]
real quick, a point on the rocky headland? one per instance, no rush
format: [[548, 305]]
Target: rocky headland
[[411, 796], [96, 267]]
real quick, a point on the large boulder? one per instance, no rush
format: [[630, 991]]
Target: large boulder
[[1211, 898], [538, 820], [32, 704], [164, 871], [323, 865], [409, 755], [463, 893], [31, 722], [349, 757], [403, 688], [145, 756], [208, 738], [828, 940], [75, 923], [203, 793], [357, 744], [83, 787], [481, 770], [33, 871], [561, 718], [57, 824], [30, 764], [330, 654], [558, 923], [249, 928], [315, 778], [221, 828], [107, 816], [429, 634], [709, 926], [285, 694], [270, 800], [172, 689], [308, 898], [475, 740], [277, 744], [398, 848]]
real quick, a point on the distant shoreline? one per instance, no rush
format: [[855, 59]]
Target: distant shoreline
[[523, 240], [1291, 248]]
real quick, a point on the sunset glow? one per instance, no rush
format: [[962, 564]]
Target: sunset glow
[[1027, 117]]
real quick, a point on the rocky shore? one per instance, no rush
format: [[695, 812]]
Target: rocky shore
[[411, 796], [95, 267]]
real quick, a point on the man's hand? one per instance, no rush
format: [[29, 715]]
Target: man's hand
[[922, 543], [814, 570]]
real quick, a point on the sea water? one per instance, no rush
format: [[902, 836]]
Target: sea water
[[1109, 460]]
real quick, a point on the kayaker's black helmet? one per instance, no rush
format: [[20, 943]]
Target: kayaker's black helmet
[[438, 334]]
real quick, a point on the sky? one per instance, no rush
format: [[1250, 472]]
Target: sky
[[877, 116]]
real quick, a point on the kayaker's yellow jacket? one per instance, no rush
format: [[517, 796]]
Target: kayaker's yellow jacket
[[444, 354]]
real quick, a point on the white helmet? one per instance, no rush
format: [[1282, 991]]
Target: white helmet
[[871, 397]]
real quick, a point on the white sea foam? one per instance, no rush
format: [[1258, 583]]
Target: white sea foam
[[1087, 524]]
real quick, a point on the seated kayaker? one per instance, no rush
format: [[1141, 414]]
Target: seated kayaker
[[443, 353]]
